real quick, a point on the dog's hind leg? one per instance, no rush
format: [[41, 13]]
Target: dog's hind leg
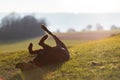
[[41, 42]]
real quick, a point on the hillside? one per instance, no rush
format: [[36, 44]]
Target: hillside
[[69, 38], [93, 60], [87, 35]]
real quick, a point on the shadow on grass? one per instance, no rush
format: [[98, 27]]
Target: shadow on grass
[[16, 77], [36, 73]]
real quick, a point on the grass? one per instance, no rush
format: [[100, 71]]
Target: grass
[[93, 60], [23, 45]]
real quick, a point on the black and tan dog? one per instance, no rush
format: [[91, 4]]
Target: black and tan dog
[[47, 55]]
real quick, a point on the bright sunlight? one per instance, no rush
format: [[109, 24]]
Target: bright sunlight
[[73, 6]]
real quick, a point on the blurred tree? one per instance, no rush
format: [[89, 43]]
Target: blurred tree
[[99, 27], [114, 27], [89, 27], [84, 30], [58, 31], [71, 30], [13, 27]]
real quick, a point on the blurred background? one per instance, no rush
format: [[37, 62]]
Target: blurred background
[[22, 19], [89, 28]]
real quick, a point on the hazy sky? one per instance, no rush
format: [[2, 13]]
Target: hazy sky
[[67, 6], [75, 6]]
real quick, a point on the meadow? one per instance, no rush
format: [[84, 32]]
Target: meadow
[[91, 59]]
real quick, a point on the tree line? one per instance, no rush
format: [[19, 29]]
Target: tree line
[[98, 27], [15, 27]]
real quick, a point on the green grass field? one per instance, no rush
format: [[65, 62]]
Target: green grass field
[[90, 60]]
